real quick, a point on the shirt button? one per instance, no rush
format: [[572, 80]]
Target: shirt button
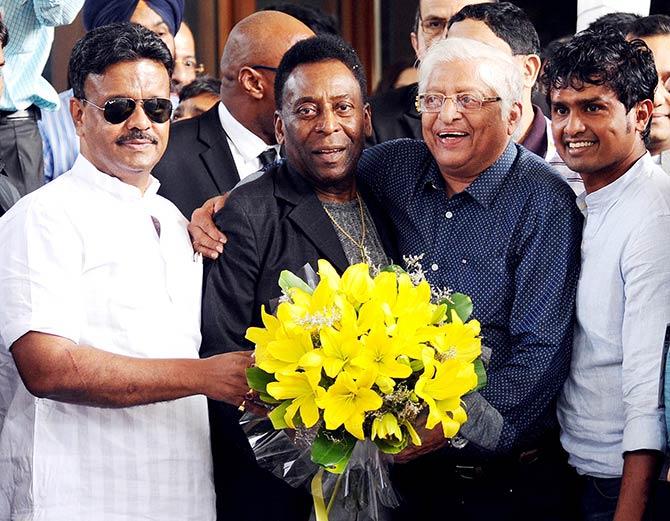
[[464, 261], [449, 215], [434, 267]]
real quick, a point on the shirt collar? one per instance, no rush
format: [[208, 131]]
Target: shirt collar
[[248, 144], [486, 186], [83, 169], [536, 139], [610, 194]]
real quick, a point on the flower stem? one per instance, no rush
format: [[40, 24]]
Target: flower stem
[[336, 489]]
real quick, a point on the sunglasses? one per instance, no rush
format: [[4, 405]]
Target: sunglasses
[[117, 110]]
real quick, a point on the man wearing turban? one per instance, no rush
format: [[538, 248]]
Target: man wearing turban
[[161, 16]]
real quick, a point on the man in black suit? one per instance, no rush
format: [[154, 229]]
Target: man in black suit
[[393, 113], [208, 155], [298, 211]]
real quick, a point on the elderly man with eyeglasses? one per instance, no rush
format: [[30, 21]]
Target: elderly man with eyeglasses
[[496, 222], [103, 411]]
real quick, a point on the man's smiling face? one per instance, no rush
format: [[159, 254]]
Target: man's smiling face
[[128, 150], [593, 131], [323, 122]]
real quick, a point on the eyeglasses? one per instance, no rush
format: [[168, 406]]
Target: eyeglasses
[[434, 101], [263, 67], [117, 110], [192, 65], [433, 26]]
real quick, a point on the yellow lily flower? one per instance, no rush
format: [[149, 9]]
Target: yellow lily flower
[[442, 385], [262, 336], [338, 348], [328, 275], [280, 351], [346, 401], [357, 284], [458, 339], [309, 312], [385, 427], [380, 355], [288, 353], [414, 300], [304, 390]]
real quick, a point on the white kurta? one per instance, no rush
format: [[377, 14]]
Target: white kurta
[[610, 401], [81, 258]]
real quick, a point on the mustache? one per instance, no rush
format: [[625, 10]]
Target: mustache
[[137, 134]]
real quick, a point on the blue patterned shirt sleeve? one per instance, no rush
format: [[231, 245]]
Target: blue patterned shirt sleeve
[[31, 31], [511, 241], [59, 139]]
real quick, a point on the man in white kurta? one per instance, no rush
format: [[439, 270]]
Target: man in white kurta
[[102, 407], [601, 89]]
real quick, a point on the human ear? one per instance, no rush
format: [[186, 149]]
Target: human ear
[[251, 82], [514, 118], [368, 120], [415, 43], [77, 112], [279, 128], [531, 69], [643, 111]]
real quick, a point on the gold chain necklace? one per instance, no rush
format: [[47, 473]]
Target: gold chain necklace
[[359, 244]]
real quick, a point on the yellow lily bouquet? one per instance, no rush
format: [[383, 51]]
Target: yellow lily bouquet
[[362, 357]]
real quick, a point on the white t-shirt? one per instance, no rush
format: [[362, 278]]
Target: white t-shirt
[[81, 258]]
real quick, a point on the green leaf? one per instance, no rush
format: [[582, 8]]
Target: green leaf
[[288, 280], [394, 268], [460, 303], [392, 447], [258, 379], [268, 399], [276, 415], [481, 374], [332, 450]]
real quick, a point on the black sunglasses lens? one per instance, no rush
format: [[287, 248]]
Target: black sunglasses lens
[[118, 110], [158, 110]]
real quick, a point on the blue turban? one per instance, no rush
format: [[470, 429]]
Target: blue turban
[[103, 12]]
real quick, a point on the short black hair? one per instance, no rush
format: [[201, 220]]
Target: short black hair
[[619, 22], [604, 58], [201, 85], [4, 34], [111, 44], [318, 49], [653, 25], [317, 21], [507, 21]]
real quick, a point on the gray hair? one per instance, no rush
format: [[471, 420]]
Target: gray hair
[[496, 69]]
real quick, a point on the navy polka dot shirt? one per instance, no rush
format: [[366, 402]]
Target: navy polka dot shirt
[[511, 241]]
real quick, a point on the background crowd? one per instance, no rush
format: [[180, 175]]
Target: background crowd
[[533, 179]]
